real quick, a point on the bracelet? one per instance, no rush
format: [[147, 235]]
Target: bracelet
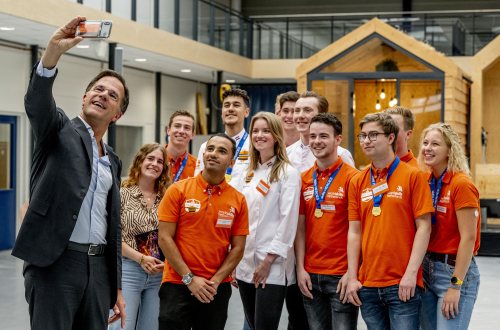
[[454, 287], [142, 260]]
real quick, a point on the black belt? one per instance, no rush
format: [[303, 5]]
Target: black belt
[[90, 249], [444, 258]]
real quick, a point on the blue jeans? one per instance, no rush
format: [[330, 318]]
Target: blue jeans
[[325, 311], [140, 292], [437, 277], [382, 309]]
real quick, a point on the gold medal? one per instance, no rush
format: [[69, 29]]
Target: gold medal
[[228, 177], [376, 210], [318, 213]]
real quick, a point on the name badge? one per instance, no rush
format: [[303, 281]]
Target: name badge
[[224, 220], [441, 208], [380, 188], [263, 187], [328, 207]]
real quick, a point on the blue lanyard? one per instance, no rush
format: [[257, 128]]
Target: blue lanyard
[[321, 198], [237, 153], [181, 168], [436, 191], [377, 199]]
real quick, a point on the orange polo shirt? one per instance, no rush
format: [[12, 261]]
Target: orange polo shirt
[[175, 164], [387, 240], [410, 159], [207, 217], [457, 192], [326, 237]]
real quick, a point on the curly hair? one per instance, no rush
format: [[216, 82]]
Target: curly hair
[[274, 124], [134, 172], [457, 161]]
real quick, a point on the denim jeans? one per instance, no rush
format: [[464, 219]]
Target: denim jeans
[[262, 306], [325, 311], [140, 292], [437, 277], [382, 309]]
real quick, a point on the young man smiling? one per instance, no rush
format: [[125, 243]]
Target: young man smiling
[[200, 218], [321, 241], [286, 107], [235, 108], [307, 106], [390, 209], [180, 131]]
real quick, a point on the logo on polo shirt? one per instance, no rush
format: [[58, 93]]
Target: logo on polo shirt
[[339, 194], [308, 193], [445, 199], [192, 205]]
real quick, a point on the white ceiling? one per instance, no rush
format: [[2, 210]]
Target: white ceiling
[[33, 33]]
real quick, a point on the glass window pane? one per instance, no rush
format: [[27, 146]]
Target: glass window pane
[[97, 4], [145, 12], [186, 19], [166, 14], [203, 22], [122, 8]]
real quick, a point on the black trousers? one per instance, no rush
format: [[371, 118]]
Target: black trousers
[[180, 310], [297, 318], [262, 307], [73, 293]]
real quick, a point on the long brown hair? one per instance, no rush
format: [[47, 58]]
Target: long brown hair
[[276, 128], [162, 182]]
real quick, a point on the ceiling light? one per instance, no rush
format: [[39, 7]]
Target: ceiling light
[[83, 46], [382, 94], [378, 106], [186, 70], [140, 60], [7, 28], [230, 81]]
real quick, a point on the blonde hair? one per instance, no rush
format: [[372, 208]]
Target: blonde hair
[[274, 124], [457, 161], [163, 181]]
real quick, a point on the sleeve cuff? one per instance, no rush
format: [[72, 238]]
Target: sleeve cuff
[[279, 248], [43, 72]]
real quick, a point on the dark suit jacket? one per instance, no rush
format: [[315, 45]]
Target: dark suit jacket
[[60, 177]]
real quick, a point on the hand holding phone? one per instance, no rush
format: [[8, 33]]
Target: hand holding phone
[[94, 29]]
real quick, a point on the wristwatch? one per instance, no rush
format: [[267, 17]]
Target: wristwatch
[[455, 280], [187, 279]]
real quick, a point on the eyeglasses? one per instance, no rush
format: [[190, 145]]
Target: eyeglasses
[[372, 136]]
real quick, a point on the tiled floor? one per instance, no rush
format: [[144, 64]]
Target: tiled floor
[[14, 311]]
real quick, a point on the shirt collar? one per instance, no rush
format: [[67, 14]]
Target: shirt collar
[[446, 178], [172, 160], [238, 136], [409, 156], [205, 186], [91, 132], [329, 170], [267, 164], [383, 172]]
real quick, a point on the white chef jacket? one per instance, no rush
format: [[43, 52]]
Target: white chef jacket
[[241, 164], [302, 158], [272, 221]]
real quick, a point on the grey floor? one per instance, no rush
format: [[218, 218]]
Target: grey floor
[[14, 310]]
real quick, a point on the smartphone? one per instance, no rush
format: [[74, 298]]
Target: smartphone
[[94, 29]]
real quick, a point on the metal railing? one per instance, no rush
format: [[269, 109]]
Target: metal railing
[[454, 33]]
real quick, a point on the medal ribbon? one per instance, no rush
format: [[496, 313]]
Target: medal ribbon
[[237, 153], [181, 168], [436, 191], [377, 199], [321, 198]]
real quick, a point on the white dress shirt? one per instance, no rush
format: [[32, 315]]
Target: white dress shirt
[[241, 164], [302, 158], [272, 220]]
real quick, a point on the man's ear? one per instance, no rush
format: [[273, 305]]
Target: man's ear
[[233, 161], [116, 117], [247, 112], [409, 133]]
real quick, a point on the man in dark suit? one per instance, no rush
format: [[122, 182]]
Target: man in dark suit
[[70, 238]]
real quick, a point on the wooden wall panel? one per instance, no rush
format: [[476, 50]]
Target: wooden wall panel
[[491, 112]]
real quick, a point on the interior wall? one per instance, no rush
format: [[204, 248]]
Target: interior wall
[[491, 115]]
